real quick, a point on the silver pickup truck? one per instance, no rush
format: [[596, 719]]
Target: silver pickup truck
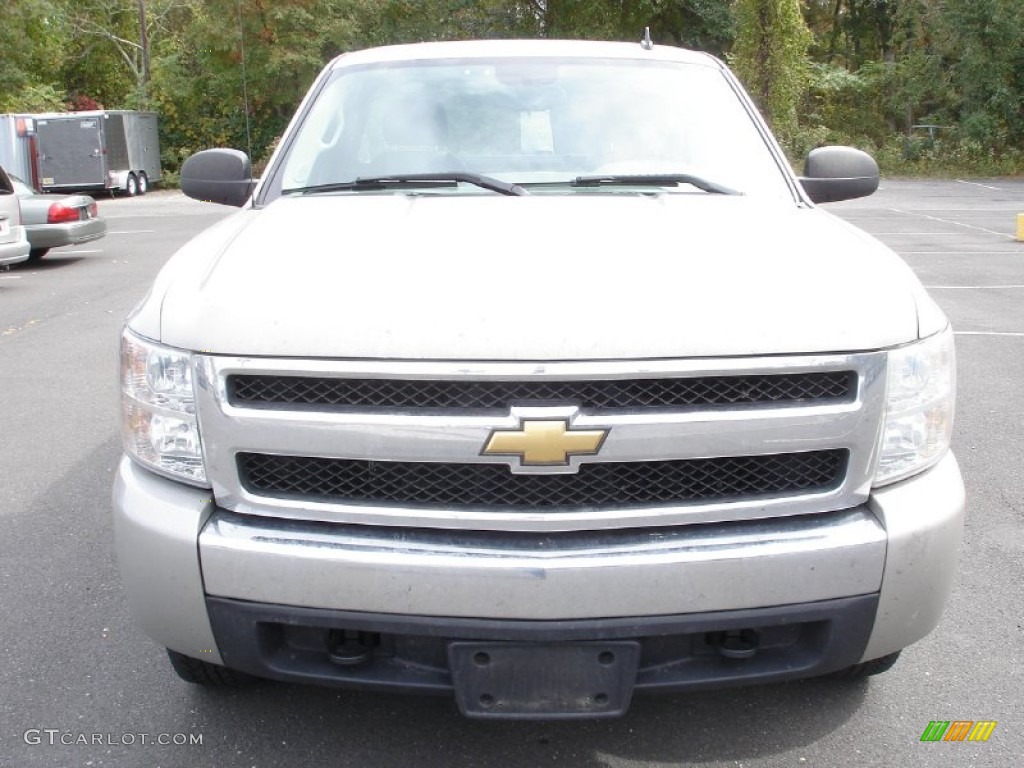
[[531, 375]]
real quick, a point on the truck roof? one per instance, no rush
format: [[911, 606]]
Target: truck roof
[[526, 48]]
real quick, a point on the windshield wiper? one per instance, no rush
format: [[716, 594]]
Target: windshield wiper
[[399, 180], [654, 180]]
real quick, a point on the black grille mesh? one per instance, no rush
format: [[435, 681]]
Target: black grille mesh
[[493, 485], [630, 393]]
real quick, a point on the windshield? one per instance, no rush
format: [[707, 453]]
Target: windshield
[[540, 123]]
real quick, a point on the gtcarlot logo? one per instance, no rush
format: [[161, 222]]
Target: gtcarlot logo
[[55, 736]]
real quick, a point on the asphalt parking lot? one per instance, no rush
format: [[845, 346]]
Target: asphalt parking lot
[[72, 662]]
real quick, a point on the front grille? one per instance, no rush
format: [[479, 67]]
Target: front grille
[[493, 485], [324, 391]]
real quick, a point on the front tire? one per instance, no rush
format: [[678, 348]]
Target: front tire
[[199, 672], [131, 186]]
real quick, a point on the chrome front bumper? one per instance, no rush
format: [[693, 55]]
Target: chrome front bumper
[[902, 545], [536, 577]]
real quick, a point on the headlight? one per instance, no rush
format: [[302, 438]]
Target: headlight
[[158, 407], [919, 408]]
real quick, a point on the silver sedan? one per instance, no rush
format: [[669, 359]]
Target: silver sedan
[[55, 220]]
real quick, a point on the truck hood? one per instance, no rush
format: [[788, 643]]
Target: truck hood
[[487, 277]]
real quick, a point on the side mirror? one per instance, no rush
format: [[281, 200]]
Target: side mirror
[[218, 176], [839, 173]]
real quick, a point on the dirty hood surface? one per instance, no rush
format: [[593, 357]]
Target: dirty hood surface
[[573, 277]]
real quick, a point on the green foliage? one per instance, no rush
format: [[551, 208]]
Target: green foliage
[[770, 57], [33, 98], [205, 77], [32, 37], [954, 155], [861, 72], [704, 24], [985, 46]]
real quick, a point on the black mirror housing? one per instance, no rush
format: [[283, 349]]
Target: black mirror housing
[[832, 174], [218, 176]]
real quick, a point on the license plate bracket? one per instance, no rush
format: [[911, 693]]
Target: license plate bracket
[[543, 680]]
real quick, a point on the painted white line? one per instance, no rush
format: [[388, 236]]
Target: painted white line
[[879, 212], [10, 277], [132, 232], [976, 184], [979, 287], [989, 333], [922, 234], [954, 223], [76, 253], [1015, 254]]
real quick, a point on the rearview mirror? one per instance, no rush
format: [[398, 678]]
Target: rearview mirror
[[839, 173], [218, 176]]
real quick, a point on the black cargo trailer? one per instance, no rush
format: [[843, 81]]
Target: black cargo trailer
[[117, 150]]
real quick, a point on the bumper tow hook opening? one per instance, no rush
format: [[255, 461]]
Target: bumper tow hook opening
[[349, 649], [736, 643]]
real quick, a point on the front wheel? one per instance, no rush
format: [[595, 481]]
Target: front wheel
[[131, 186], [199, 672]]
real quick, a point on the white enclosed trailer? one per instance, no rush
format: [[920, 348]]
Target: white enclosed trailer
[[16, 136]]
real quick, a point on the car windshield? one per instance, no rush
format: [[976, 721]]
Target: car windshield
[[593, 126]]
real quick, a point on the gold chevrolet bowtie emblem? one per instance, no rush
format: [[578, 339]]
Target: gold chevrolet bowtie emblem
[[545, 442]]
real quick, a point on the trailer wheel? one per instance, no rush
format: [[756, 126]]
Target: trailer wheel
[[143, 183], [131, 186]]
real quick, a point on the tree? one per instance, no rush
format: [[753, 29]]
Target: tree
[[113, 40], [770, 57], [235, 70], [32, 39], [984, 51]]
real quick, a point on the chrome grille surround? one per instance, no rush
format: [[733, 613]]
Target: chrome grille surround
[[453, 436]]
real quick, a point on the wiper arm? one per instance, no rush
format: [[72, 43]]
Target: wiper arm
[[445, 178], [654, 180]]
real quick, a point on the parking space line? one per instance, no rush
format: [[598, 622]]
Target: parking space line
[[976, 184], [954, 223], [977, 287], [1011, 334], [132, 232], [10, 277]]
